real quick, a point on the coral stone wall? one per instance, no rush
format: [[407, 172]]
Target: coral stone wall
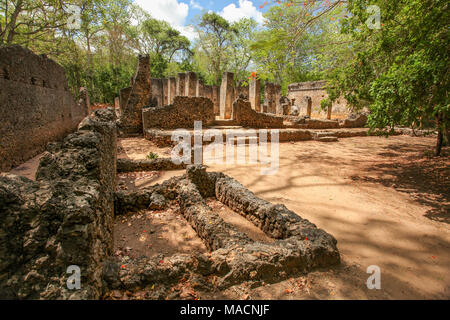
[[63, 219], [36, 106], [244, 115], [315, 90], [181, 114]]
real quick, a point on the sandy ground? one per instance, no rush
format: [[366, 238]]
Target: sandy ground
[[151, 233], [385, 201]]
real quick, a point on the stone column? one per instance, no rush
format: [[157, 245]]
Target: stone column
[[165, 85], [208, 92], [216, 99], [157, 92], [200, 89], [277, 96], [172, 89], [191, 84], [84, 100], [226, 95], [181, 84], [269, 99], [308, 101], [254, 94], [140, 96]]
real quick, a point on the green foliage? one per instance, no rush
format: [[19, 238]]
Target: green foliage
[[152, 156], [399, 72]]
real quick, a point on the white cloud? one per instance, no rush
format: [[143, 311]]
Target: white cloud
[[196, 5], [171, 11], [188, 32], [246, 9]]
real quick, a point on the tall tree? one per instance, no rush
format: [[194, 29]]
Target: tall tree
[[399, 71]]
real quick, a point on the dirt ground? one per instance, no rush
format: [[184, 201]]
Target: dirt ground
[[152, 233], [386, 201]]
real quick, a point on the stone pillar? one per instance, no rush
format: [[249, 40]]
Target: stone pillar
[[200, 89], [226, 95], [277, 97], [269, 98], [181, 84], [84, 100], [191, 84], [330, 109], [140, 96], [124, 94], [157, 92], [117, 106], [165, 85], [254, 94], [308, 101], [208, 92], [216, 99], [172, 90]]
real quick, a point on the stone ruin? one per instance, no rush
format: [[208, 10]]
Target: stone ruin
[[36, 106], [66, 216]]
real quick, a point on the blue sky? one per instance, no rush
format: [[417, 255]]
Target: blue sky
[[180, 13]]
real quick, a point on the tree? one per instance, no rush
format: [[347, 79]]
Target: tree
[[400, 71], [300, 41], [28, 20], [214, 38]]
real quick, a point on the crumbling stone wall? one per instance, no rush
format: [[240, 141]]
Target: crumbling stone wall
[[244, 115], [316, 90], [300, 245], [181, 114], [140, 96], [65, 218], [36, 106]]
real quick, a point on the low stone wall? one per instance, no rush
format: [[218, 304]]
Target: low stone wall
[[181, 114], [244, 115], [36, 106], [235, 257], [65, 218]]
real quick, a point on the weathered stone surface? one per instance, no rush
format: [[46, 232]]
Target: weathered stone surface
[[235, 257], [316, 90], [157, 92], [140, 96], [64, 218], [36, 106], [165, 86], [181, 85], [245, 116], [216, 99], [172, 89], [255, 94], [191, 84], [226, 95], [181, 114], [355, 121]]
